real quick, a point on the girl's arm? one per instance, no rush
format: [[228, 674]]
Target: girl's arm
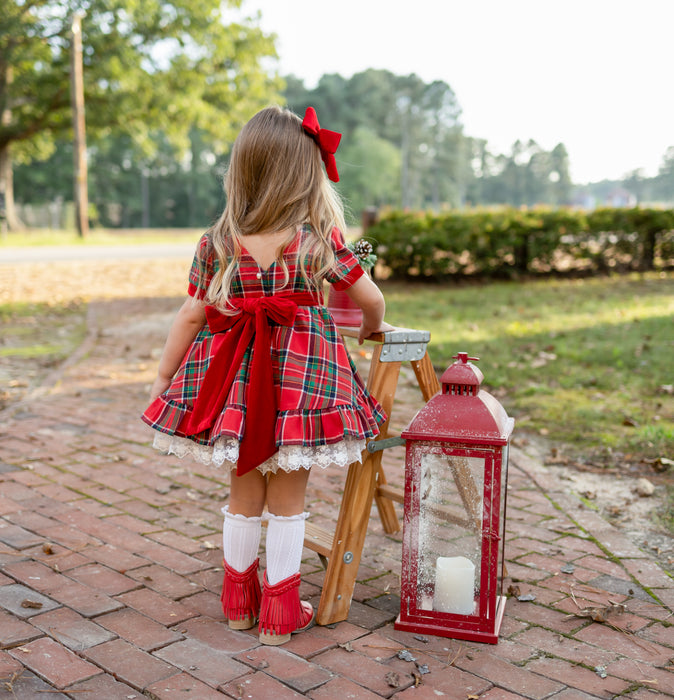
[[365, 293], [189, 320]]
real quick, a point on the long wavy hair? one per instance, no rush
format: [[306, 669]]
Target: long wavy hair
[[275, 181]]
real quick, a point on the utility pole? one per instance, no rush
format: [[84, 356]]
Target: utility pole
[[81, 194]]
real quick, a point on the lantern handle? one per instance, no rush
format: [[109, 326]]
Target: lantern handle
[[464, 357]]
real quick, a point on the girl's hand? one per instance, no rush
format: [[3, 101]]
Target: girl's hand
[[159, 386], [366, 332]]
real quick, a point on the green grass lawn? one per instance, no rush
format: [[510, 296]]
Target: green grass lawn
[[586, 362]]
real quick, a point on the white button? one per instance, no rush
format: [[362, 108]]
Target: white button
[[259, 275]]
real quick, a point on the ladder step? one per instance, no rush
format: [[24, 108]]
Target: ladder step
[[391, 492], [318, 539]]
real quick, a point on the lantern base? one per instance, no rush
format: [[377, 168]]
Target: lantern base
[[437, 629]]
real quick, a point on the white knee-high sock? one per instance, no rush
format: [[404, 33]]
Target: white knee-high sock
[[285, 540], [240, 539]]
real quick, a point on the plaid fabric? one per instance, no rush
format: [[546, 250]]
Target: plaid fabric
[[320, 396]]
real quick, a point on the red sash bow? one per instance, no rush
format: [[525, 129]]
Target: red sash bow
[[327, 142], [250, 324]]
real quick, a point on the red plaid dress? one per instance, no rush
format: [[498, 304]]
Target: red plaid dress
[[325, 413]]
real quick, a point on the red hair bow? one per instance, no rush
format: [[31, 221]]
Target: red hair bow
[[327, 141]]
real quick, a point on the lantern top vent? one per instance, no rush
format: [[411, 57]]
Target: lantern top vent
[[462, 412], [462, 378]]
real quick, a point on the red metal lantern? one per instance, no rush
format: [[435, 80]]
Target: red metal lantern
[[344, 311], [454, 515]]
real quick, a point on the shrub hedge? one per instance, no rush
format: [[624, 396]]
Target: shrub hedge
[[507, 242]]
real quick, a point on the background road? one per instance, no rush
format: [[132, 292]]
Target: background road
[[145, 251]]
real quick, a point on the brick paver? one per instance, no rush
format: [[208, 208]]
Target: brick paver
[[110, 567], [71, 629], [129, 663], [202, 661], [54, 662]]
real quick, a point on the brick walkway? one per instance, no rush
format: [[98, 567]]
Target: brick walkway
[[110, 569]]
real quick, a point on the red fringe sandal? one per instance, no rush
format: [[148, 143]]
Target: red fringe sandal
[[241, 596], [282, 612]]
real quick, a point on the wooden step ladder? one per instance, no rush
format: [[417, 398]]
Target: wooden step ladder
[[341, 552]]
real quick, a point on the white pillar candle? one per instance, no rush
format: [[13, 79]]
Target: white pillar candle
[[454, 585]]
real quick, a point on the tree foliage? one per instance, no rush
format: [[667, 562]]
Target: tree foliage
[[527, 176], [169, 66]]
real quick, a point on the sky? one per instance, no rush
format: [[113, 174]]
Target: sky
[[595, 75]]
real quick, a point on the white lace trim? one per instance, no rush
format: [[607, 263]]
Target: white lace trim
[[288, 458]]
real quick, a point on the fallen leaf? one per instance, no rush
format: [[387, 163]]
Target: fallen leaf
[[660, 464], [600, 614], [31, 604], [393, 679]]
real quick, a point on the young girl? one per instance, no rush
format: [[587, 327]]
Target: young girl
[[254, 374]]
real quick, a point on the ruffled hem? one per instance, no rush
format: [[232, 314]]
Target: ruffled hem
[[298, 427], [225, 453]]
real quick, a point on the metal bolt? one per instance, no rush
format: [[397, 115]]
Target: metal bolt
[[348, 557]]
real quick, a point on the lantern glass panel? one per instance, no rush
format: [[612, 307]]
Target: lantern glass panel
[[502, 516], [449, 552]]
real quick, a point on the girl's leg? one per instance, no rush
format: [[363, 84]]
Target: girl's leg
[[282, 612], [285, 533], [248, 493], [240, 542], [286, 490], [240, 539]]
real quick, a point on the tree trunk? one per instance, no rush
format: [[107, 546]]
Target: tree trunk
[[79, 130], [7, 210], [145, 197], [8, 217]]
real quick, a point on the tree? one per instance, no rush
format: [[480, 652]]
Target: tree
[[560, 177], [370, 174], [528, 176], [167, 65], [664, 181], [442, 146]]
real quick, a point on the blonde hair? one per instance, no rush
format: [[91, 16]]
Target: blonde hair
[[275, 181]]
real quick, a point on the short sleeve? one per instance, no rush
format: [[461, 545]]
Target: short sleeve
[[202, 270], [347, 269]]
